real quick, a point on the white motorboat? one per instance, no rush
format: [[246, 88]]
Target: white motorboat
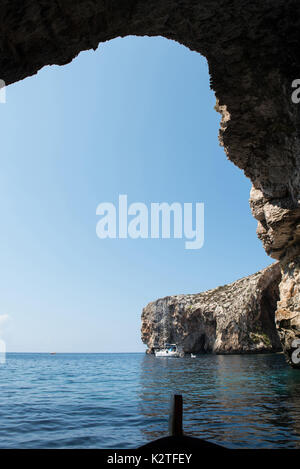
[[193, 356], [169, 350]]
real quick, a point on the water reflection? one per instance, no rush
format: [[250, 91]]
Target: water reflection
[[237, 400]]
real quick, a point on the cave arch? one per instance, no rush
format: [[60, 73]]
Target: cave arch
[[252, 53]]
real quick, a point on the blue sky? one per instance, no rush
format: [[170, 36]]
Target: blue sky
[[135, 117]]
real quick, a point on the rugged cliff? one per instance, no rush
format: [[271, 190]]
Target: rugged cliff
[[235, 318]]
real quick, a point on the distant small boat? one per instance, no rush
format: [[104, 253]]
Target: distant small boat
[[193, 356], [52, 353], [169, 350]]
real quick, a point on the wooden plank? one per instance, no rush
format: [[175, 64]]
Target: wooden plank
[[175, 418]]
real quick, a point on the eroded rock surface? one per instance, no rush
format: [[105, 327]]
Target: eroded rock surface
[[234, 318], [288, 309]]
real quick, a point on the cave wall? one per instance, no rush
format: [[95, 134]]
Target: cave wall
[[252, 52]]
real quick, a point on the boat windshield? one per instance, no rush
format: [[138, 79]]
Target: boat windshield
[[172, 348]]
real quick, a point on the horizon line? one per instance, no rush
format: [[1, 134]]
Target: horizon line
[[56, 353]]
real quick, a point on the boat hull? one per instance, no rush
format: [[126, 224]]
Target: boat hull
[[164, 353]]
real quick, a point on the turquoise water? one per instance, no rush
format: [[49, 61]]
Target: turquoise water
[[122, 400]]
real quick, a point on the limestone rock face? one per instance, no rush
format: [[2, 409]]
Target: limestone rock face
[[288, 309], [234, 318]]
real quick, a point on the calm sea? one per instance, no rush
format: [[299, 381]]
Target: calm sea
[[122, 400]]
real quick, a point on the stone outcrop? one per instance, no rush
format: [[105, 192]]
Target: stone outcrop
[[234, 318], [252, 49], [287, 314]]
